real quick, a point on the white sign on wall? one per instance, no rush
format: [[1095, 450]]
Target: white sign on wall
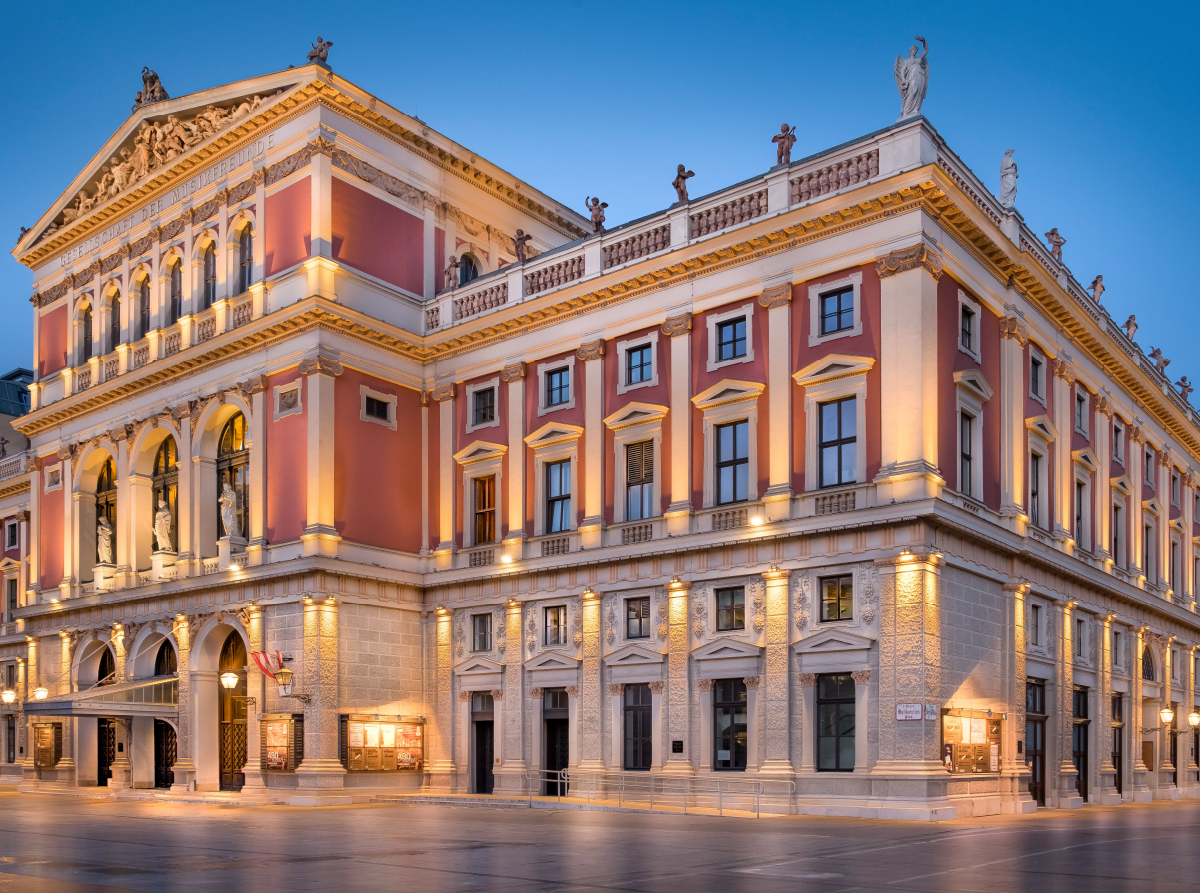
[[908, 712]]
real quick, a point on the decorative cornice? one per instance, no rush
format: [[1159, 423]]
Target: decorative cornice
[[321, 366], [593, 350], [513, 372], [919, 256], [677, 325], [442, 393], [776, 296]]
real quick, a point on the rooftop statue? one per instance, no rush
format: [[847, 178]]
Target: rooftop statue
[[596, 209], [784, 140], [1160, 361], [152, 89], [1008, 180], [519, 244], [680, 183], [912, 79], [320, 51], [1056, 243], [1130, 327], [1097, 287], [1185, 388]]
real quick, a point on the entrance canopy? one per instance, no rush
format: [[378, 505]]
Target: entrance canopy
[[158, 696]]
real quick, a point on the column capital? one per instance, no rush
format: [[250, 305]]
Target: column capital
[[443, 392], [677, 325], [1012, 328], [918, 257], [776, 296], [513, 372], [497, 694], [807, 680], [593, 350], [861, 677], [752, 682], [536, 694], [705, 684], [321, 366], [656, 688], [616, 689]]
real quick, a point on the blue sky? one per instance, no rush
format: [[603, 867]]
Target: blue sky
[[1099, 100]]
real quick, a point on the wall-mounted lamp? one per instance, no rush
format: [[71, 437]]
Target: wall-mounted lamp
[[506, 559], [8, 696], [589, 593], [1194, 719], [40, 693], [229, 682], [1167, 715], [441, 610]]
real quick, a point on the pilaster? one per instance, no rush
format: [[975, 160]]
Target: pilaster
[[441, 744], [678, 330], [1106, 787], [184, 767], [1068, 776], [1064, 477], [777, 300], [590, 688], [1013, 337], [1014, 773], [678, 705], [444, 395], [514, 377], [510, 776], [255, 390], [776, 690], [320, 537], [320, 776], [591, 529]]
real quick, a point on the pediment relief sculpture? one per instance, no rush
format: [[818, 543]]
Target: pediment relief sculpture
[[155, 144]]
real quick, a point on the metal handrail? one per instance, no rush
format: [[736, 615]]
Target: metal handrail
[[646, 788]]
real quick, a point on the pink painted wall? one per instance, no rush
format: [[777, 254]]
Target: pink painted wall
[[287, 227], [52, 341], [864, 345], [659, 394], [378, 238], [50, 536], [463, 413], [377, 475], [287, 465], [572, 416]]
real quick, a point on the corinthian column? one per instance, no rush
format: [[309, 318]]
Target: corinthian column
[[591, 755], [678, 707], [510, 776], [1012, 419], [184, 768], [591, 529], [678, 330], [776, 692], [321, 770]]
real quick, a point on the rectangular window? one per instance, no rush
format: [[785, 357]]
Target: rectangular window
[[1118, 442], [637, 618], [1174, 488], [1116, 651], [1035, 483], [729, 724], [837, 311], [639, 481], [1149, 475], [556, 625], [11, 599], [1175, 575], [10, 535], [558, 496], [377, 409], [1035, 376], [1147, 552], [733, 462], [558, 386], [485, 509], [481, 632], [1080, 505], [1035, 625], [835, 722], [967, 335], [483, 409], [1081, 413], [638, 364], [639, 727], [837, 598], [1080, 636], [839, 442], [965, 434], [731, 608], [1117, 526], [731, 339]]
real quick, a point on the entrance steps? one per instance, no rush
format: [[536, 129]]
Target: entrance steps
[[500, 801]]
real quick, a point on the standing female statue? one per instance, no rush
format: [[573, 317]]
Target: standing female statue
[[1008, 180], [912, 79]]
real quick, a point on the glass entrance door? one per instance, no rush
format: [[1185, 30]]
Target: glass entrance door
[[1118, 733], [164, 754], [1035, 738], [232, 716], [729, 724], [1079, 740], [106, 750]]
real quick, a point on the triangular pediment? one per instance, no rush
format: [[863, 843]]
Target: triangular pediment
[[209, 121], [634, 655], [635, 414], [6, 563], [832, 640], [553, 660], [972, 382], [1152, 505], [554, 432], [477, 666], [1121, 484], [725, 648], [831, 367], [1086, 458], [478, 451], [728, 390], [1042, 427]]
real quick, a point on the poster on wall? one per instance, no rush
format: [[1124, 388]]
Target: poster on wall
[[277, 744], [384, 746], [971, 741]]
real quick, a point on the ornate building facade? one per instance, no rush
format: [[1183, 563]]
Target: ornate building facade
[[834, 478]]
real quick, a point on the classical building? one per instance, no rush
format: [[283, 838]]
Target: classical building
[[834, 479]]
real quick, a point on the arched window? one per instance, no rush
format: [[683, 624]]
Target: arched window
[[245, 259], [233, 714], [210, 277], [106, 501], [86, 326], [468, 269], [165, 482], [233, 468], [144, 308], [114, 321], [175, 302], [107, 674], [1148, 664], [165, 662]]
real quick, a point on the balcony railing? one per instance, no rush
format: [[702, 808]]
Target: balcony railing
[[561, 273], [831, 178], [728, 214], [141, 356], [243, 312], [637, 246], [485, 299], [833, 503]]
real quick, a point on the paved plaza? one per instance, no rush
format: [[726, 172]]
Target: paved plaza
[[68, 845]]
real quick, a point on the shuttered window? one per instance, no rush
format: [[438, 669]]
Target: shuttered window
[[639, 480]]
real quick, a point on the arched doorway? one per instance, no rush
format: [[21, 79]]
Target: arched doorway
[[165, 743], [232, 715], [106, 731], [233, 468]]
